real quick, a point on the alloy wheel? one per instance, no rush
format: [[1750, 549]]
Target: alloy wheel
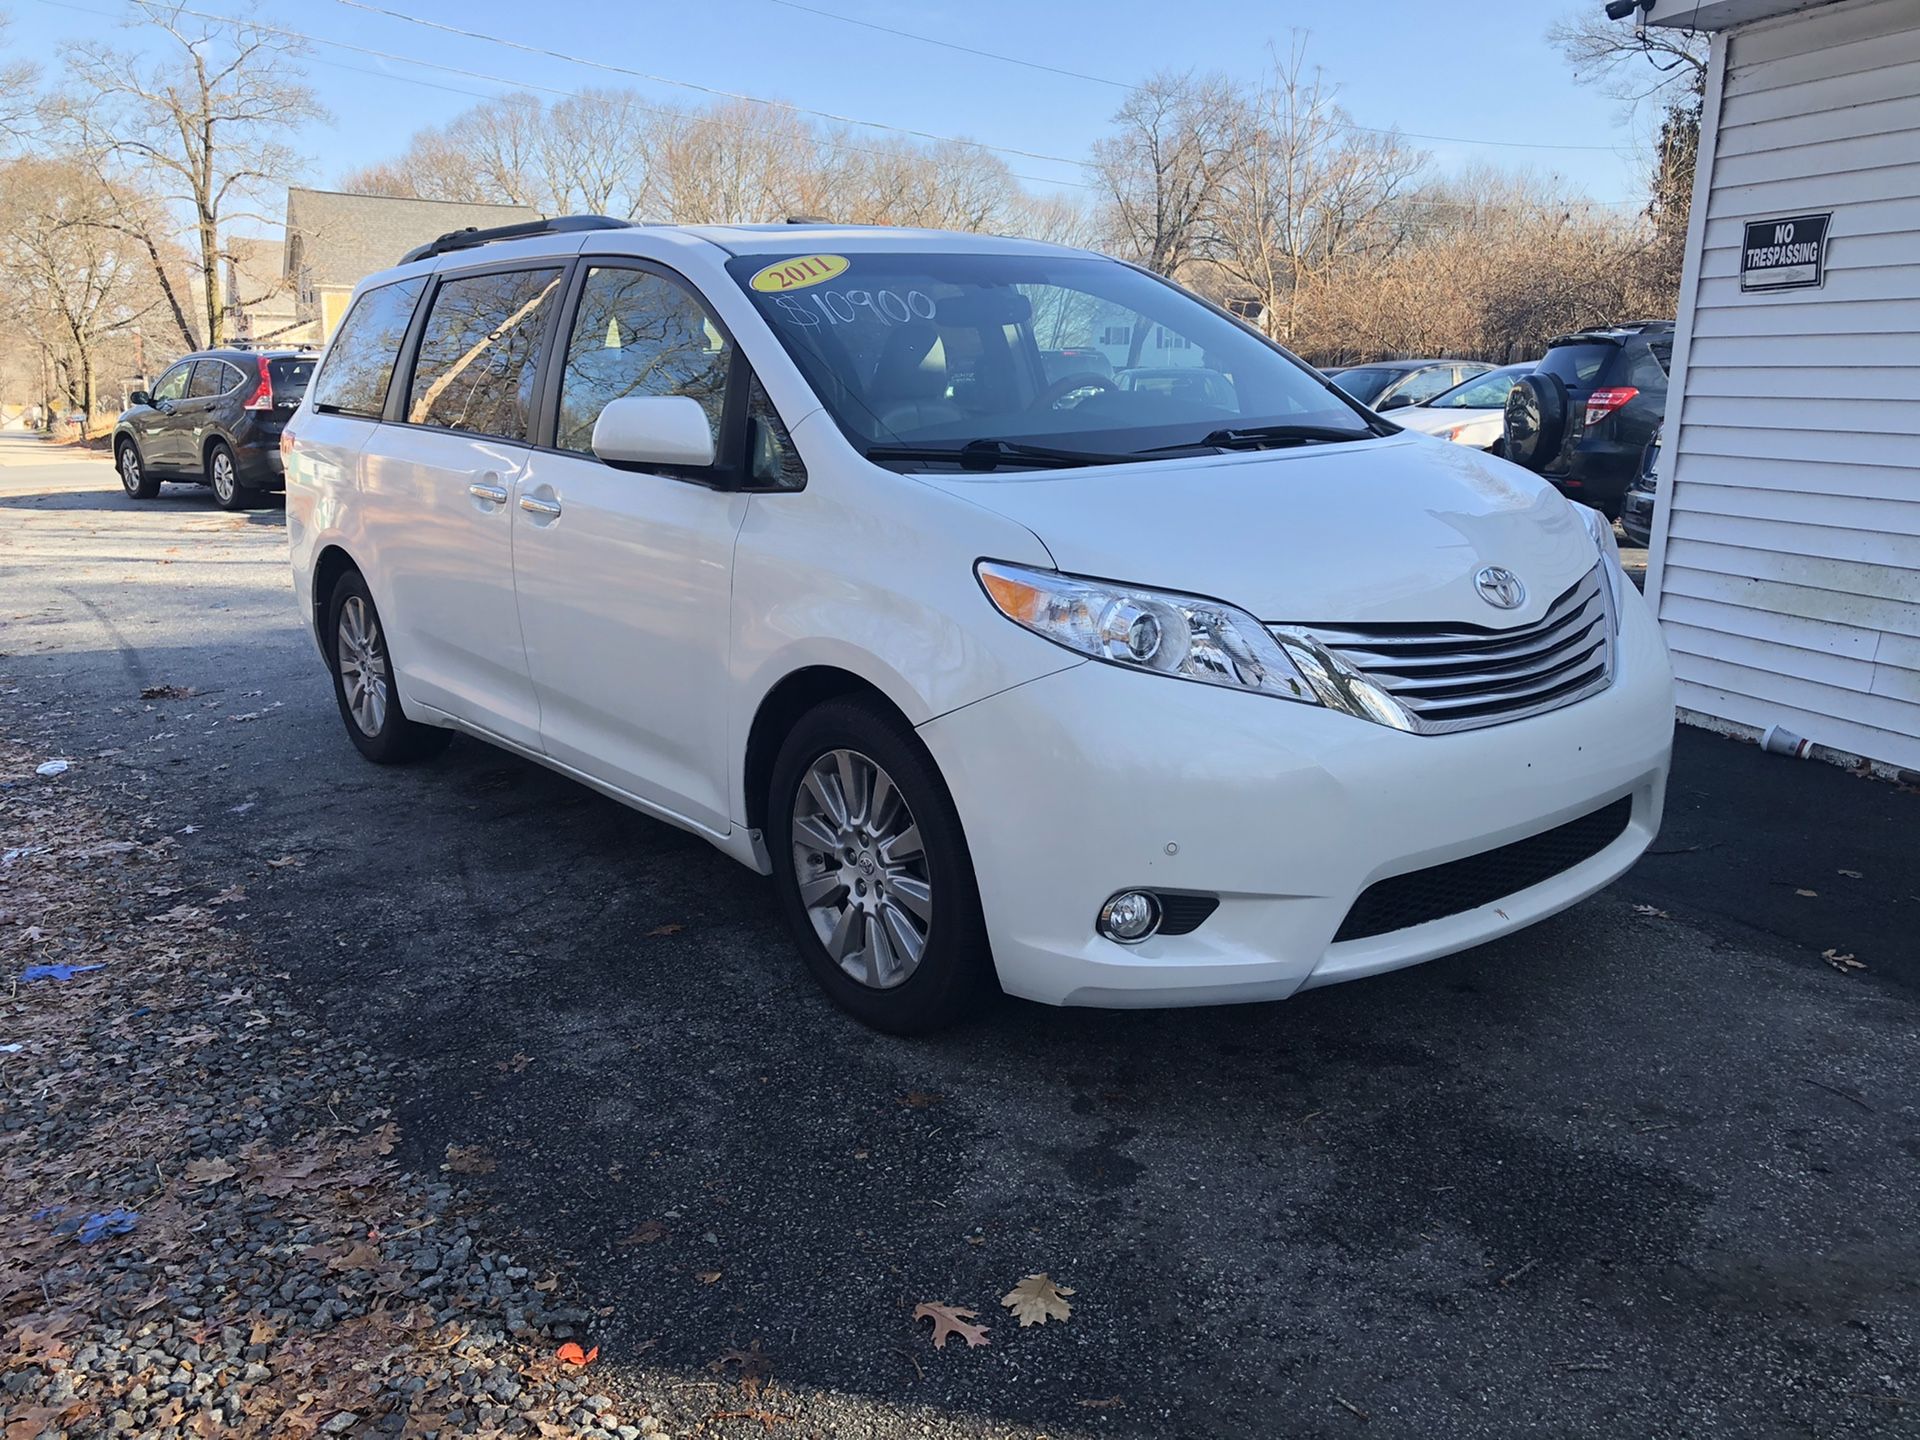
[[360, 653], [130, 469], [861, 869], [223, 477]]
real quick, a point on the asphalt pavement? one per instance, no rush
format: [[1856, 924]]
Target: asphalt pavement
[[1649, 1168]]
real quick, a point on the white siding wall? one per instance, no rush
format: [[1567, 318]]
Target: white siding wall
[[1786, 563]]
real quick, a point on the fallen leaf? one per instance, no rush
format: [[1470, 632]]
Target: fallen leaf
[[235, 996], [287, 862], [1651, 912], [752, 1365], [209, 1172], [951, 1320], [708, 1277], [469, 1160], [1845, 964], [263, 1332], [645, 1233], [669, 929], [1850, 874], [380, 1141], [547, 1284], [1809, 894], [233, 894], [1036, 1300], [572, 1354], [1112, 1402], [918, 1099], [519, 1062]]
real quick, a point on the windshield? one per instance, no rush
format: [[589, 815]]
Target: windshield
[[1366, 383], [1073, 353], [1483, 392]]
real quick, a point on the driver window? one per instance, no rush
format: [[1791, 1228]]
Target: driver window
[[1426, 385], [173, 384], [638, 333]]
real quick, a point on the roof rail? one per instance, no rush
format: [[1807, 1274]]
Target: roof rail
[[808, 220], [472, 237]]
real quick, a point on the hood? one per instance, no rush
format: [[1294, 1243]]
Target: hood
[[1435, 422], [1386, 530]]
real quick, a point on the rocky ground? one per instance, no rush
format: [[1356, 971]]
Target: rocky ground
[[203, 1229]]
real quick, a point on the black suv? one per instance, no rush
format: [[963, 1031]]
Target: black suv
[[1585, 414], [214, 418]]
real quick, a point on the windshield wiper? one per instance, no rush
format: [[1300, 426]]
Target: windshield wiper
[[1255, 437], [990, 454]]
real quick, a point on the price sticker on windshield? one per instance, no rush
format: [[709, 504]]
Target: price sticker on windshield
[[799, 273]]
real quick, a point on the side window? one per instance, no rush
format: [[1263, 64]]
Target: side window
[[359, 364], [1426, 384], [173, 384], [774, 461], [480, 352], [638, 333], [211, 377], [1647, 370]]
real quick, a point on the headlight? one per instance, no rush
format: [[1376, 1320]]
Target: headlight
[[1164, 634]]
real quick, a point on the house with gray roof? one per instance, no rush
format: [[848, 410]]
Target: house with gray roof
[[335, 240]]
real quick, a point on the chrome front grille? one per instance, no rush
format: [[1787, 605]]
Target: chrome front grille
[[1461, 677]]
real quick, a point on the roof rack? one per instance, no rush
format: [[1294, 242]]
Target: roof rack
[[472, 236]]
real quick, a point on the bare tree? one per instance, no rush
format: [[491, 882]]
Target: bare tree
[[1311, 193], [207, 120], [1160, 177], [18, 78], [74, 284]]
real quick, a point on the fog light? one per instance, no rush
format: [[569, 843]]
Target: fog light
[[1129, 917]]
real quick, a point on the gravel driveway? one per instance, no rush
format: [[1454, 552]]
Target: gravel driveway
[[1624, 1174]]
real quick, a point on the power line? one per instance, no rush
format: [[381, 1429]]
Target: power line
[[512, 83], [951, 45], [714, 90], [1123, 85]]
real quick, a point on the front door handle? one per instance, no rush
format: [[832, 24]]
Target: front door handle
[[534, 506], [494, 494]]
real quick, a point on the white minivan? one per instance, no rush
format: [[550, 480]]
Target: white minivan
[[847, 549]]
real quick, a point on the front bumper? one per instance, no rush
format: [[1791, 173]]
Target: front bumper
[[1096, 779]]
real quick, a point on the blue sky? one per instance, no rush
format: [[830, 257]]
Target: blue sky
[[1483, 71]]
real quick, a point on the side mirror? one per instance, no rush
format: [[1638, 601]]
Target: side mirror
[[140, 397], [1394, 402], [640, 432]]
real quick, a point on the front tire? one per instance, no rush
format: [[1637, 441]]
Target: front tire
[[873, 872], [223, 478], [134, 478], [363, 681]]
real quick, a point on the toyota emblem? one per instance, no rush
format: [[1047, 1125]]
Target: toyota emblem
[[1500, 587]]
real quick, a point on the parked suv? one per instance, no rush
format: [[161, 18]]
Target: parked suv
[[1588, 409], [1094, 693], [213, 418]]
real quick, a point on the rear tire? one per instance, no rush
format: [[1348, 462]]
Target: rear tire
[[223, 478], [363, 680], [134, 478], [856, 802]]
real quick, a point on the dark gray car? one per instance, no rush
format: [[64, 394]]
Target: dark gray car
[[213, 418]]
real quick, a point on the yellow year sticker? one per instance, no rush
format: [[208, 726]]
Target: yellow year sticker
[[799, 273]]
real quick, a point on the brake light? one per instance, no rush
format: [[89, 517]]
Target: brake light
[[286, 445], [262, 398], [1602, 403]]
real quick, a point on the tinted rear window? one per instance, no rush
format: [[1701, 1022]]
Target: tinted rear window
[[1365, 385], [290, 377], [1578, 364], [360, 362]]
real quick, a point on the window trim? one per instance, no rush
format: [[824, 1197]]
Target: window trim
[[399, 397], [320, 367]]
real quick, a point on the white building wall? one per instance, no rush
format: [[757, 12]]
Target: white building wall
[[1786, 552]]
